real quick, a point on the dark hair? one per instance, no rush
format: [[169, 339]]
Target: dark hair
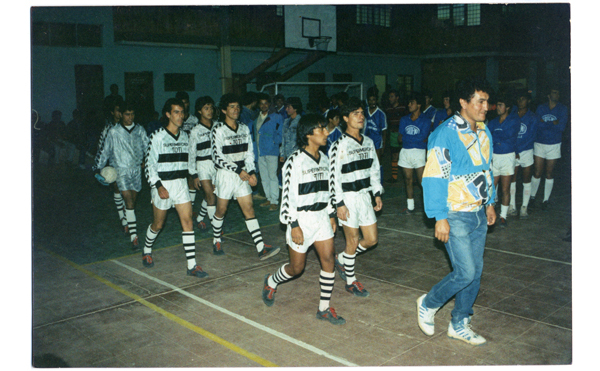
[[506, 97], [523, 93], [394, 91], [201, 102], [466, 89], [169, 103], [181, 95], [227, 99], [126, 106], [263, 96], [353, 104], [333, 113], [112, 104], [295, 102], [373, 92], [279, 96], [427, 93], [306, 126], [419, 98]]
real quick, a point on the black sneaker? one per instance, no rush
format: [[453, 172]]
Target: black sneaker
[[217, 249], [197, 272], [268, 251], [502, 222], [407, 211], [330, 315], [147, 260], [268, 293], [357, 289]]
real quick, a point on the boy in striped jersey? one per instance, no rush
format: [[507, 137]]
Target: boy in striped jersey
[[307, 211], [167, 170], [113, 120], [124, 147], [202, 169], [233, 156], [354, 173]]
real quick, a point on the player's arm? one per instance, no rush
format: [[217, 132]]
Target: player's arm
[[249, 167], [100, 146], [151, 167], [335, 185], [436, 177], [288, 213], [192, 153]]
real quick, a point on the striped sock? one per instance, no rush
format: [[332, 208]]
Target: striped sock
[[280, 276], [120, 208], [326, 280], [193, 195], [349, 261], [254, 229], [150, 237], [217, 226], [360, 249], [394, 169], [131, 223], [189, 245], [202, 212]]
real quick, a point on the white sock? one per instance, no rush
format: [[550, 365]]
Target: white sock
[[202, 212], [535, 184], [513, 193], [503, 211], [189, 246], [150, 238], [120, 208], [410, 202], [526, 193], [349, 262], [217, 226], [193, 195], [548, 188], [131, 223], [326, 281]]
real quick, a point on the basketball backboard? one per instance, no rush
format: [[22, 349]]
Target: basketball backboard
[[310, 27]]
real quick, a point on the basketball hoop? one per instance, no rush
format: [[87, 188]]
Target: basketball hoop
[[321, 43]]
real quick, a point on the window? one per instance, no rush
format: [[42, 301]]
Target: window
[[179, 82], [460, 14], [405, 84], [66, 34], [377, 15]]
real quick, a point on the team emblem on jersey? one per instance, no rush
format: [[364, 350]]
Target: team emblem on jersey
[[412, 130], [549, 117], [523, 129]]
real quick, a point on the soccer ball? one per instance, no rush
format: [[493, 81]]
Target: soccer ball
[[109, 174]]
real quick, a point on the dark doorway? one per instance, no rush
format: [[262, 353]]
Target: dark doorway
[[139, 91]]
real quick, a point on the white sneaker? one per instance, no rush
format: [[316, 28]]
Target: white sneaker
[[512, 211], [523, 213], [425, 317], [463, 332]]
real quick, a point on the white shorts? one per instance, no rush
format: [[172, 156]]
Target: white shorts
[[315, 226], [206, 170], [503, 164], [229, 185], [547, 151], [525, 158], [360, 208], [179, 193], [412, 158], [129, 178]]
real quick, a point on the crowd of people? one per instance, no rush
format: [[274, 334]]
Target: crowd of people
[[324, 169]]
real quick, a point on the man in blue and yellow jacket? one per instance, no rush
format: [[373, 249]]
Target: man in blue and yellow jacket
[[458, 192]]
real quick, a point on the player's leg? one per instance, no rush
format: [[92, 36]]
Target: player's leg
[[283, 274], [209, 204], [191, 188], [264, 251], [512, 207], [120, 206], [184, 210], [264, 179], [549, 182], [395, 156], [526, 176], [158, 221], [505, 200], [325, 251], [408, 182], [130, 197], [538, 169], [419, 174], [217, 224]]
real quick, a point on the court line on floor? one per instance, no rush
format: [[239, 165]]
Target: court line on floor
[[487, 248], [180, 321], [241, 318]]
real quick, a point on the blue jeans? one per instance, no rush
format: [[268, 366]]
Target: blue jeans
[[465, 249]]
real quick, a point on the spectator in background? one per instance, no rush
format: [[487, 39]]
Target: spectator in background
[[113, 98], [394, 113]]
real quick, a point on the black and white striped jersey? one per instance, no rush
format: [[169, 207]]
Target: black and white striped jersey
[[101, 142], [167, 157], [123, 147], [199, 147], [305, 186], [232, 149], [354, 167]]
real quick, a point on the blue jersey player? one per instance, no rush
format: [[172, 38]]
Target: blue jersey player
[[375, 126]]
